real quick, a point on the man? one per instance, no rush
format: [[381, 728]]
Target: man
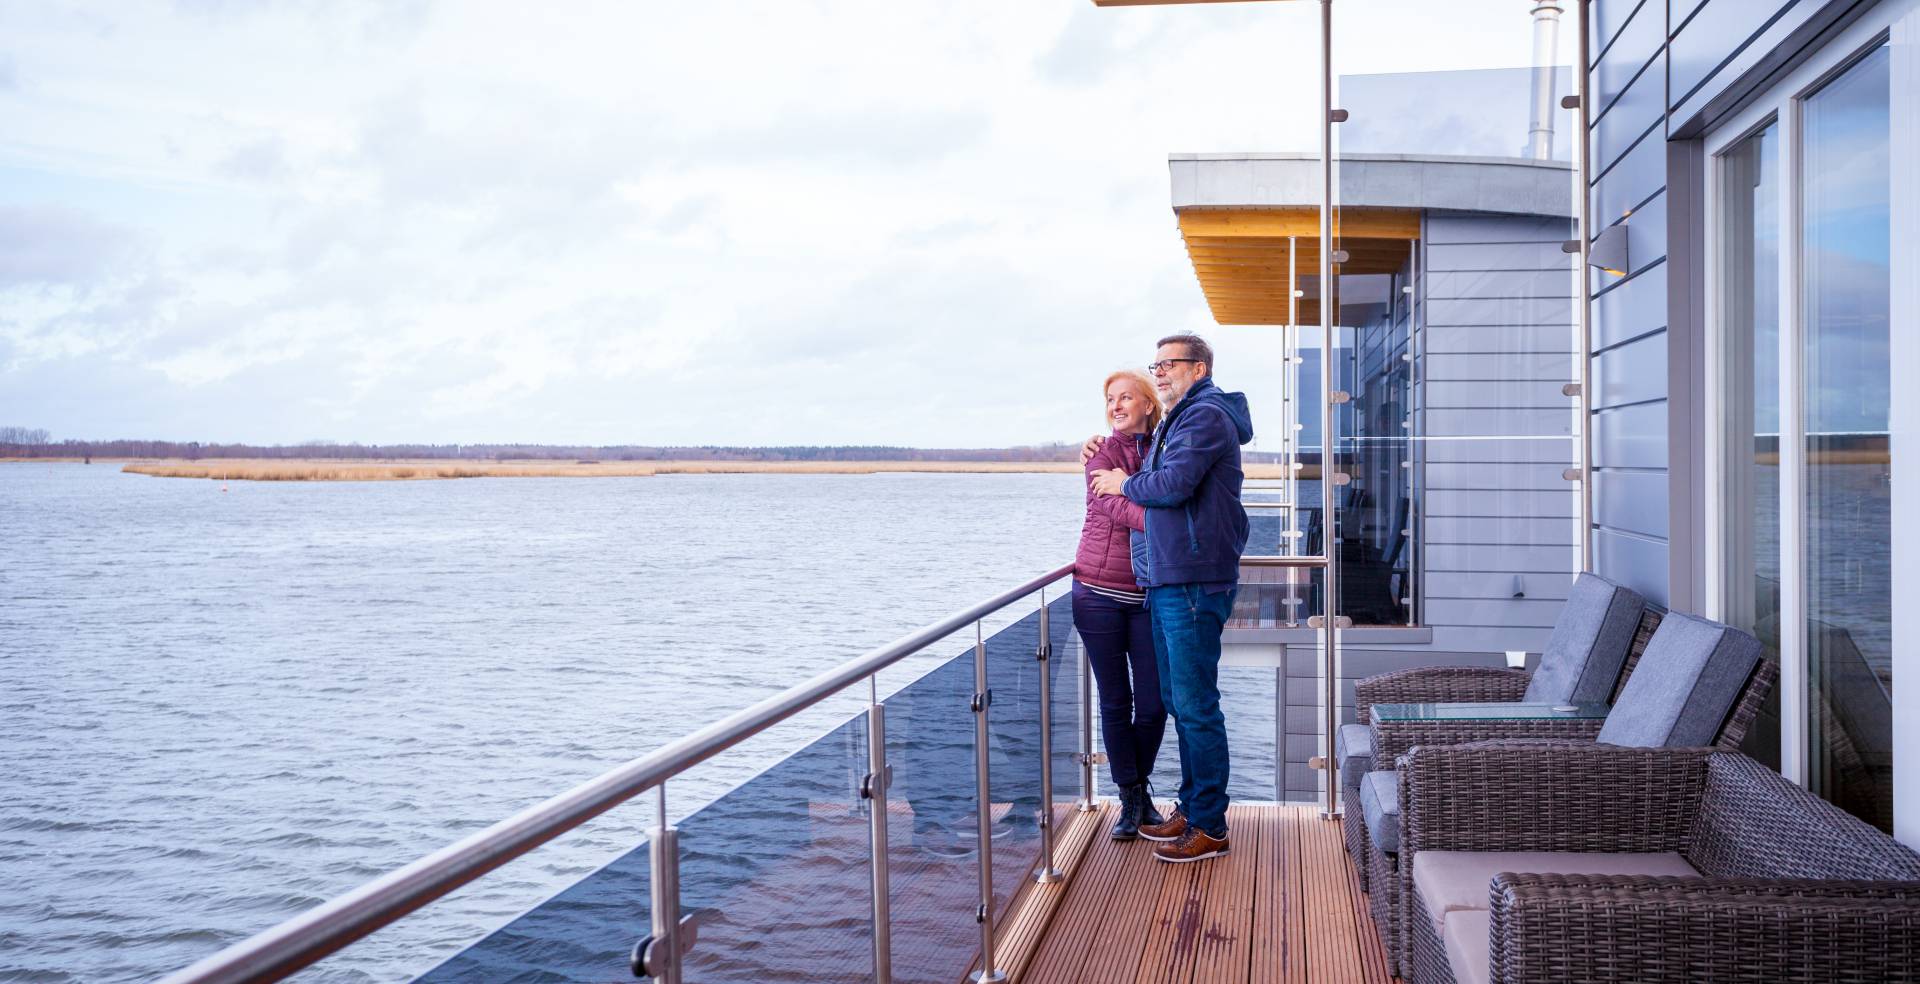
[[1196, 528]]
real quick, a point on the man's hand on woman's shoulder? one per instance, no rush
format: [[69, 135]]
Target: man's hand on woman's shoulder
[[1091, 448]]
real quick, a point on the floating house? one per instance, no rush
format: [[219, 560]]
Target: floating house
[[1630, 416]]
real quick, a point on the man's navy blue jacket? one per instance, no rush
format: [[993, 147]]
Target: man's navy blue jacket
[[1190, 486]]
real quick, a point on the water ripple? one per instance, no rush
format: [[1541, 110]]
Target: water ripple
[[221, 709]]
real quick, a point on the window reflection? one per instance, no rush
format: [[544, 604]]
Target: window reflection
[[1750, 289], [1848, 475]]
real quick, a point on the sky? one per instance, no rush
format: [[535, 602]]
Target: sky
[[734, 222]]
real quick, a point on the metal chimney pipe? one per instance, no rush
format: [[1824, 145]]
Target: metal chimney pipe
[[1546, 37]]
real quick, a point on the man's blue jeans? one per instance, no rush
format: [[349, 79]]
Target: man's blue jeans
[[1187, 622]]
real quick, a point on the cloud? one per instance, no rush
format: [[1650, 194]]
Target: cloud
[[877, 137], [1087, 49], [53, 245], [261, 160], [858, 222]]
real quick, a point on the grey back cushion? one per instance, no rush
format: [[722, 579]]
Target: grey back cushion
[[1589, 644], [1684, 686]]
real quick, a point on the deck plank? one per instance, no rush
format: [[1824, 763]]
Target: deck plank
[[1284, 906], [1333, 953], [1119, 940], [1171, 931], [1290, 925], [1224, 944], [1269, 900], [1373, 959], [1017, 938], [1063, 948]]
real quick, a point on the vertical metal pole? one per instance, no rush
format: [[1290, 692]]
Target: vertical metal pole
[[1416, 430], [1329, 623], [1048, 874], [663, 852], [1583, 162], [1086, 804], [981, 698], [1290, 414], [1280, 728], [876, 793]]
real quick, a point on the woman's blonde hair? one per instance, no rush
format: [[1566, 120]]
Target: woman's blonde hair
[[1145, 386]]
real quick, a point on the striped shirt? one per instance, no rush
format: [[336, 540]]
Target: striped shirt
[[1124, 597]]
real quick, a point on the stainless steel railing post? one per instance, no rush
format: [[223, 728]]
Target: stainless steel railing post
[[1329, 507], [982, 697], [1583, 176], [311, 936], [875, 791], [1086, 804], [1047, 873], [663, 850]]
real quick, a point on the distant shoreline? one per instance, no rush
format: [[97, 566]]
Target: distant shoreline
[[388, 470], [294, 470]]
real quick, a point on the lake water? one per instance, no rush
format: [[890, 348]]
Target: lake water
[[220, 706]]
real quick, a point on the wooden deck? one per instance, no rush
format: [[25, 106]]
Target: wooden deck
[[1283, 906]]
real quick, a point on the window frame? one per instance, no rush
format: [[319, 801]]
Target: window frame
[[1783, 102]]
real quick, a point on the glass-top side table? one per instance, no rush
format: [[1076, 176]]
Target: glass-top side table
[[1488, 711], [1399, 727]]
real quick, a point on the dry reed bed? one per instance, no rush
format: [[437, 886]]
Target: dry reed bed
[[254, 470]]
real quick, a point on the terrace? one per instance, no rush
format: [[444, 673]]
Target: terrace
[[1495, 315]]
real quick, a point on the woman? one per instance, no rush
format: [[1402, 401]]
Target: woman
[[1110, 608]]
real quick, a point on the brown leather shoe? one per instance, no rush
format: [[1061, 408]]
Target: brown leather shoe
[[1194, 845], [1175, 825]]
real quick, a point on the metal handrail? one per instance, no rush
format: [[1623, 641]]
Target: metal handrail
[[320, 932]]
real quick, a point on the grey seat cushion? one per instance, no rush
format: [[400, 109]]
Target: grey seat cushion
[[1380, 804], [1353, 749], [1588, 648], [1453, 881], [1467, 934], [1684, 686]]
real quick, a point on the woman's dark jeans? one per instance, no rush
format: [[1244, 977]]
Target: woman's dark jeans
[[1119, 639]]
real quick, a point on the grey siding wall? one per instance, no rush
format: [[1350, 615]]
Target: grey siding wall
[[1493, 343], [1665, 70], [1497, 529], [1631, 477]]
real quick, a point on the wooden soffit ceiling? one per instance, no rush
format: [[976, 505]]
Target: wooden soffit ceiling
[[1247, 259]]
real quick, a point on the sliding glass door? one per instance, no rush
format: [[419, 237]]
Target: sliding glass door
[[1847, 513], [1750, 296], [1803, 248]]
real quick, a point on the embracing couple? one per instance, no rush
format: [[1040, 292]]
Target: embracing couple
[[1154, 583]]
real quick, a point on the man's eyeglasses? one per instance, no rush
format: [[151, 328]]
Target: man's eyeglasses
[[1160, 368]]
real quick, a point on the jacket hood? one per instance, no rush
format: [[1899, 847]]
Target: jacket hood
[[1235, 405]]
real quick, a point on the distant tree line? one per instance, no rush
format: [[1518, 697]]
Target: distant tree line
[[22, 437], [22, 442]]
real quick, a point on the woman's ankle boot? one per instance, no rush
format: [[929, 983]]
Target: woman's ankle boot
[[1127, 826], [1148, 815]]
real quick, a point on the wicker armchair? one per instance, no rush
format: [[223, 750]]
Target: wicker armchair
[[1391, 739], [1583, 660], [1685, 639], [1783, 886]]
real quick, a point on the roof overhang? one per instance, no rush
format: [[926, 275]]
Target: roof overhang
[[1249, 261], [1251, 222]]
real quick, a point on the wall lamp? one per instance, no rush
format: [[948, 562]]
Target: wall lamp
[[1609, 251]]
